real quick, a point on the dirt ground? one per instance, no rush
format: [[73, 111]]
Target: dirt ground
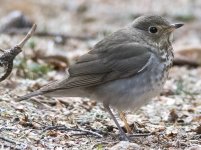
[[173, 120]]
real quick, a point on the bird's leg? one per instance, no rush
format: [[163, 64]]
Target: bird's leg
[[122, 133], [126, 125]]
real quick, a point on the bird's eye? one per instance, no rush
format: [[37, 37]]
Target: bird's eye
[[153, 29]]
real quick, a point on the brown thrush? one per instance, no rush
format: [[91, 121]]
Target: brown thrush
[[125, 69]]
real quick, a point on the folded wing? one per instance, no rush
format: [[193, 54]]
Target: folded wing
[[98, 67]]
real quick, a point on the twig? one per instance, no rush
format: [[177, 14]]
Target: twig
[[72, 129], [181, 61], [18, 146], [139, 134], [6, 128], [103, 142], [28, 36], [49, 34], [6, 59], [65, 36], [7, 140]]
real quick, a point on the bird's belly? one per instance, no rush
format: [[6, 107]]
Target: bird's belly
[[132, 92]]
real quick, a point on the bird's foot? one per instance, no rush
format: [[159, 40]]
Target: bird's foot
[[124, 137], [130, 137]]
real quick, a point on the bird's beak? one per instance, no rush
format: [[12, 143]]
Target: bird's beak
[[172, 27], [176, 25]]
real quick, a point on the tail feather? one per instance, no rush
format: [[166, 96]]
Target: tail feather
[[32, 94], [44, 90]]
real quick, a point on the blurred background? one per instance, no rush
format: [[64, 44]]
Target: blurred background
[[70, 28], [75, 26]]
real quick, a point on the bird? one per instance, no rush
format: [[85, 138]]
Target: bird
[[124, 70]]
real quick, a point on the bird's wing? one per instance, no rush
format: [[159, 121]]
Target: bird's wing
[[101, 66], [97, 67]]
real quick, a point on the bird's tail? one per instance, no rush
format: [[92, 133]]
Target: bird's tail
[[51, 87], [32, 94]]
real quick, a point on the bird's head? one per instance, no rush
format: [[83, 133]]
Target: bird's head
[[155, 28]]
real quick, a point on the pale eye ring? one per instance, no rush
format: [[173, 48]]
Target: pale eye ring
[[153, 29]]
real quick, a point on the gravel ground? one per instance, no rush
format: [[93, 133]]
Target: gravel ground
[[172, 119]]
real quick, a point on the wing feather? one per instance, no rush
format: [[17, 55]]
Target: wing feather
[[97, 68]]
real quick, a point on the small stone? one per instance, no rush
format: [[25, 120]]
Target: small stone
[[194, 148], [125, 145]]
